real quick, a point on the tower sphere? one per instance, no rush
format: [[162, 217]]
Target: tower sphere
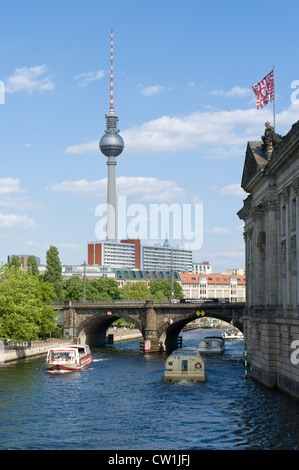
[[111, 144]]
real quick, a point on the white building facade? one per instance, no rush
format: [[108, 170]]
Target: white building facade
[[271, 234]]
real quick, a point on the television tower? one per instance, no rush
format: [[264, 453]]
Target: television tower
[[111, 145]]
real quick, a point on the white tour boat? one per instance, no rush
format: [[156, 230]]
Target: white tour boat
[[184, 364], [232, 333], [211, 344], [68, 358]]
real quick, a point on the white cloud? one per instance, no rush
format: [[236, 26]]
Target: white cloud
[[235, 91], [217, 134], [9, 186], [16, 221], [30, 79], [233, 190], [217, 231], [32, 243], [89, 147], [137, 189], [12, 196], [152, 90], [88, 77], [71, 246]]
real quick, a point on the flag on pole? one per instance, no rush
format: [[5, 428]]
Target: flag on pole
[[264, 90]]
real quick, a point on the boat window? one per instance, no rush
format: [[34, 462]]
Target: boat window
[[62, 356], [184, 365]]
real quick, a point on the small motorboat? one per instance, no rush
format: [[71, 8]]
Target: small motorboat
[[232, 333], [211, 344], [68, 358], [184, 364]]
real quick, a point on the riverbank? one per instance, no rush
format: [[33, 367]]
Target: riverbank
[[16, 351], [122, 334]]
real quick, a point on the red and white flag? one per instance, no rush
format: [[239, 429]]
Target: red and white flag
[[264, 90]]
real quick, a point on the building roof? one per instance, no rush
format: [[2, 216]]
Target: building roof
[[144, 275], [212, 278]]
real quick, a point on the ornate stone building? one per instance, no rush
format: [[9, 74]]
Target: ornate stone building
[[271, 233]]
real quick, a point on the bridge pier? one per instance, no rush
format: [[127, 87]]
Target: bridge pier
[[150, 330]]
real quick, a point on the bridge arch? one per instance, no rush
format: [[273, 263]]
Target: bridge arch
[[93, 329], [168, 332]]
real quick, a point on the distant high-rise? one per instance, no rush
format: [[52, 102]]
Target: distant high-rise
[[111, 145]]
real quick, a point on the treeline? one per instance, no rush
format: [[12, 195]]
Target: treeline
[[25, 296]]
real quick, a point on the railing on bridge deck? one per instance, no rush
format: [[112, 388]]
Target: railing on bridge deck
[[8, 344], [158, 302]]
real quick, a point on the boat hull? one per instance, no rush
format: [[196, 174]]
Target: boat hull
[[210, 351], [71, 367], [177, 377]]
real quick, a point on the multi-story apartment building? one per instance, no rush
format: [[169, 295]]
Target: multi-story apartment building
[[213, 286], [130, 254]]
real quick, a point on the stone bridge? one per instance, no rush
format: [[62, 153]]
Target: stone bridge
[[159, 322]]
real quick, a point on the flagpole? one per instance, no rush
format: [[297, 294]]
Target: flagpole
[[274, 100]]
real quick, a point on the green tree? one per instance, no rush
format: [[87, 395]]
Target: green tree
[[106, 288], [53, 271], [73, 289], [14, 261], [23, 313], [102, 288], [32, 265], [137, 291], [160, 289]]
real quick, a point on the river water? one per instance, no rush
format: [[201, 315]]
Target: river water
[[121, 402]]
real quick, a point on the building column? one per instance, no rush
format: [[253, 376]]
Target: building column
[[249, 270], [295, 189], [259, 268], [286, 197], [271, 205]]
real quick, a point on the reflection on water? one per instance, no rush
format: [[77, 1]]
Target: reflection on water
[[121, 402]]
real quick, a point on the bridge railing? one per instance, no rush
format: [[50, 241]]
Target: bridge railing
[[8, 344], [156, 301]]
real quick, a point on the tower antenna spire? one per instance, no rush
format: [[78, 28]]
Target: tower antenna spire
[[111, 77], [111, 145]]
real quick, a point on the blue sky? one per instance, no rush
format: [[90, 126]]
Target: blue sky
[[183, 76]]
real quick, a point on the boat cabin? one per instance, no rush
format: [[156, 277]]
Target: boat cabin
[[185, 365], [211, 344], [67, 358]]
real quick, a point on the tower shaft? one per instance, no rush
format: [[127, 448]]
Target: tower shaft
[[111, 200]]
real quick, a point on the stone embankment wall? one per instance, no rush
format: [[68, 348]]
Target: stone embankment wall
[[14, 351], [122, 334]]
